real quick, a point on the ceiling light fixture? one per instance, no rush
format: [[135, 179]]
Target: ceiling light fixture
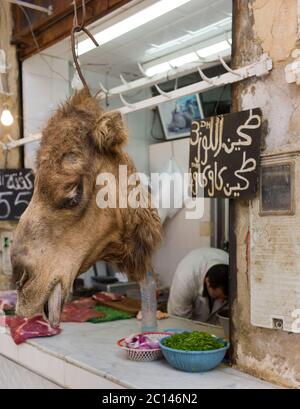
[[224, 24], [214, 49], [185, 59], [131, 23], [221, 48], [158, 69]]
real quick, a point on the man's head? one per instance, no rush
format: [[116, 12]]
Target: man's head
[[216, 282]]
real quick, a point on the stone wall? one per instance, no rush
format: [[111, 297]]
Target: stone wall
[[266, 26], [13, 157]]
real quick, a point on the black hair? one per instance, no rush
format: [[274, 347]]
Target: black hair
[[218, 276]]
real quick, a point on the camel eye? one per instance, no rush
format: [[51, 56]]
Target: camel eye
[[74, 197]]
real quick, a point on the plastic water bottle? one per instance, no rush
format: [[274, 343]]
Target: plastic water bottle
[[149, 304]]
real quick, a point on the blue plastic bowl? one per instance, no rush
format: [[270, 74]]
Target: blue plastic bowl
[[194, 361]]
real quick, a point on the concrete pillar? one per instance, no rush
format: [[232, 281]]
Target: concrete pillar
[[266, 26], [13, 157]]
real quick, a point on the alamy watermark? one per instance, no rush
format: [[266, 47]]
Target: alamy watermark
[[167, 192]]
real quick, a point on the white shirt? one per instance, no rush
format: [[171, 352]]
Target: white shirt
[[186, 298]]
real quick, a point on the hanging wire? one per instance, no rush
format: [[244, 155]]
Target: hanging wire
[[224, 88], [38, 46], [5, 156]]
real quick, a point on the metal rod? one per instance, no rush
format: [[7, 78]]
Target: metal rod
[[23, 141], [259, 68], [46, 10], [157, 79]]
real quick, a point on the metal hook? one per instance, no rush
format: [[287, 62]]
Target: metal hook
[[126, 103], [123, 79], [141, 69], [76, 29], [159, 90], [162, 92], [105, 90], [204, 77], [227, 68]]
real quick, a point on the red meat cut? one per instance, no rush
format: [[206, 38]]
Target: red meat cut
[[86, 302], [80, 311], [22, 329]]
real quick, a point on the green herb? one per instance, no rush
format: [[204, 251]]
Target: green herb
[[110, 315], [193, 341]]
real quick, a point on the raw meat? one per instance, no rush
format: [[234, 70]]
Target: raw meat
[[86, 302], [104, 296], [22, 329], [8, 300], [78, 311]]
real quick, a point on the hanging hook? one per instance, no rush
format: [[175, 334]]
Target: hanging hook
[[204, 77], [126, 103], [123, 79], [76, 29], [227, 68], [159, 90], [141, 68], [162, 92], [105, 90]]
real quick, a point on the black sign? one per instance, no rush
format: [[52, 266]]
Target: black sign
[[16, 188], [224, 155]]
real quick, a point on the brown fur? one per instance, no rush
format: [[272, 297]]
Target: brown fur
[[54, 242]]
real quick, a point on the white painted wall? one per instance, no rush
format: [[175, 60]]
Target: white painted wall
[[45, 86], [180, 235]]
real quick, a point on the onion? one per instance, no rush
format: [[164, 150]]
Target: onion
[[140, 342]]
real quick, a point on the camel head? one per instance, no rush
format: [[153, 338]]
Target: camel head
[[64, 231]]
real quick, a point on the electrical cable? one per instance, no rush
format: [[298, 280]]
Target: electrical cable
[[219, 99], [38, 47]]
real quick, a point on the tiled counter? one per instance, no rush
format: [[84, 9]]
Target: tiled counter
[[86, 356]]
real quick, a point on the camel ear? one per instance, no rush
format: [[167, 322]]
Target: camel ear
[[110, 133]]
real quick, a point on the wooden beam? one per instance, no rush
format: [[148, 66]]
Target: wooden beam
[[49, 30]]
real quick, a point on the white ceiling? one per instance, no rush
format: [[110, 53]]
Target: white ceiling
[[122, 54]]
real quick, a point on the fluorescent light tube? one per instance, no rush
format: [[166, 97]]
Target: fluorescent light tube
[[130, 23], [191, 35], [158, 69], [185, 59], [214, 49]]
